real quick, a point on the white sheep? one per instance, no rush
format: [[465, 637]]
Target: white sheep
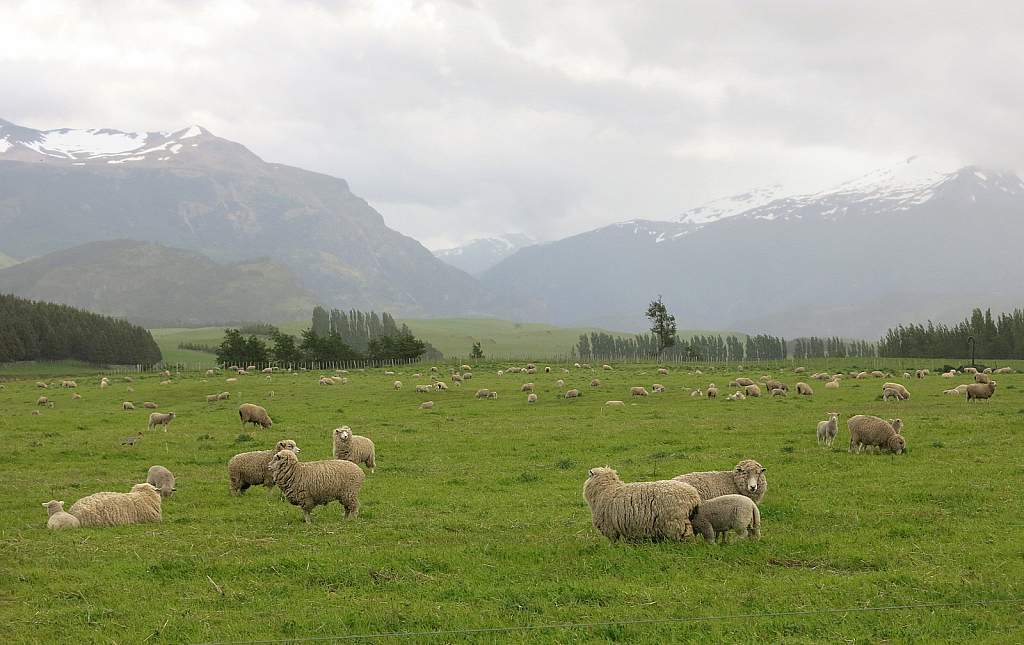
[[657, 388], [639, 510], [317, 483], [716, 516], [747, 478], [559, 383], [778, 391], [127, 405], [482, 393], [889, 393], [140, 506], [614, 403], [868, 431], [210, 398], [354, 448], [423, 388], [250, 468], [804, 389], [979, 391], [254, 414], [827, 430], [427, 405], [902, 391], [752, 390], [223, 396], [572, 394], [441, 386], [638, 391], [150, 405], [58, 517], [527, 387], [162, 480], [160, 418], [532, 398]]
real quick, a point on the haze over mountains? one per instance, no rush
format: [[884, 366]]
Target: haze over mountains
[[906, 244]]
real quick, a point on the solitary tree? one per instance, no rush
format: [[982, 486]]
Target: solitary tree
[[663, 326], [477, 351]]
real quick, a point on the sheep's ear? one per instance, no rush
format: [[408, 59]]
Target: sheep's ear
[[590, 474], [739, 469], [764, 470], [47, 505]]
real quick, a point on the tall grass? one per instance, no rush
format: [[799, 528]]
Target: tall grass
[[475, 519]]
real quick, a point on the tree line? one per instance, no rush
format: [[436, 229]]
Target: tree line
[[32, 331], [834, 347], [998, 338], [706, 348]]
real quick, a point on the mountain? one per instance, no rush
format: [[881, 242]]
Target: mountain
[[902, 245], [481, 254], [192, 190], [158, 286]]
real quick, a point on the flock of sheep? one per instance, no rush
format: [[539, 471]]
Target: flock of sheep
[[706, 503]]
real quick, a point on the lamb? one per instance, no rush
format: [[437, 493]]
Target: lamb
[[804, 389], [640, 510], [696, 392], [747, 478], [127, 405], [528, 387], [354, 448], [59, 518], [317, 483], [904, 394], [779, 392], [868, 431], [492, 395], [162, 480], [638, 391], [427, 405], [532, 398], [254, 414], [889, 393], [150, 405], [42, 400], [250, 468], [572, 394], [161, 419], [716, 516], [752, 390], [978, 391], [441, 386], [827, 430], [210, 398], [140, 506]]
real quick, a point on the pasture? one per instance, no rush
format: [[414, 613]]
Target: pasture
[[473, 529]]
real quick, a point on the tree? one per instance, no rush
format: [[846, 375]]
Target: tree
[[477, 351], [663, 326]]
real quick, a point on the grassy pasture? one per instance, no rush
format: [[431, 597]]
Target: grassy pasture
[[475, 519]]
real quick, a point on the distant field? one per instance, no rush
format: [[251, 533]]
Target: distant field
[[474, 524]]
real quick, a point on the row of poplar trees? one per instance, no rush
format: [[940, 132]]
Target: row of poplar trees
[[987, 337]]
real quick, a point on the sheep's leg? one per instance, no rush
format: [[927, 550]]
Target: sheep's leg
[[306, 513]]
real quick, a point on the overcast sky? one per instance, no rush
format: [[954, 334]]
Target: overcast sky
[[458, 120]]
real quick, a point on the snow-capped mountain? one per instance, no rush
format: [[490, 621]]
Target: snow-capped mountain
[[829, 263], [480, 254], [110, 146]]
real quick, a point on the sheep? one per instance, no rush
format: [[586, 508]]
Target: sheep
[[827, 430], [161, 419], [127, 405], [250, 468], [752, 390], [427, 405], [877, 374], [773, 384], [317, 483], [559, 383], [492, 395], [978, 391], [41, 385], [606, 367], [738, 396], [712, 392], [779, 392], [326, 380], [231, 380], [869, 431], [162, 480], [572, 394], [639, 510], [804, 389], [482, 393], [140, 506], [254, 414], [354, 448], [528, 387], [747, 478], [638, 391], [398, 385], [696, 392], [595, 383], [614, 403], [150, 405], [657, 388], [423, 388], [210, 398], [224, 396], [532, 398], [832, 385], [889, 393], [441, 386], [904, 394], [42, 400], [662, 371], [58, 517], [716, 516], [209, 372], [744, 381], [165, 382], [800, 370], [981, 377], [469, 375], [456, 378], [73, 396]]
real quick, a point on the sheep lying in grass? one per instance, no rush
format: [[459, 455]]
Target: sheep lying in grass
[[160, 418], [162, 480], [614, 403], [317, 483], [978, 391], [254, 414], [747, 478], [716, 516], [827, 430], [250, 468], [58, 517], [640, 510], [140, 506], [427, 405], [354, 448], [867, 431]]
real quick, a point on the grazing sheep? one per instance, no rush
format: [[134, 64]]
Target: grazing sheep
[[752, 390], [423, 388], [456, 378], [58, 517], [441, 386], [773, 384], [868, 431], [747, 478], [41, 385], [744, 381], [317, 483], [832, 385], [904, 394], [42, 400], [482, 394], [827, 430], [800, 370], [638, 391], [254, 414], [210, 398], [140, 506], [532, 398], [639, 510], [161, 419], [718, 515], [427, 405], [734, 384], [606, 367], [250, 468], [127, 405], [398, 385], [150, 405], [527, 387], [981, 377], [354, 448], [162, 480], [595, 383], [657, 388], [572, 394], [804, 389], [889, 393], [978, 391], [469, 375], [779, 392], [614, 403], [877, 374], [492, 395], [224, 396], [326, 380], [662, 371], [559, 383]]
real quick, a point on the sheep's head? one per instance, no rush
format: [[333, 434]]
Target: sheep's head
[[897, 443], [749, 476], [280, 458], [343, 433], [288, 444], [145, 487]]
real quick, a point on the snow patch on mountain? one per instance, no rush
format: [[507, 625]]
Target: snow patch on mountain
[[81, 145], [481, 254]]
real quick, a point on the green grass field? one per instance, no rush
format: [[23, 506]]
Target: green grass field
[[474, 530]]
